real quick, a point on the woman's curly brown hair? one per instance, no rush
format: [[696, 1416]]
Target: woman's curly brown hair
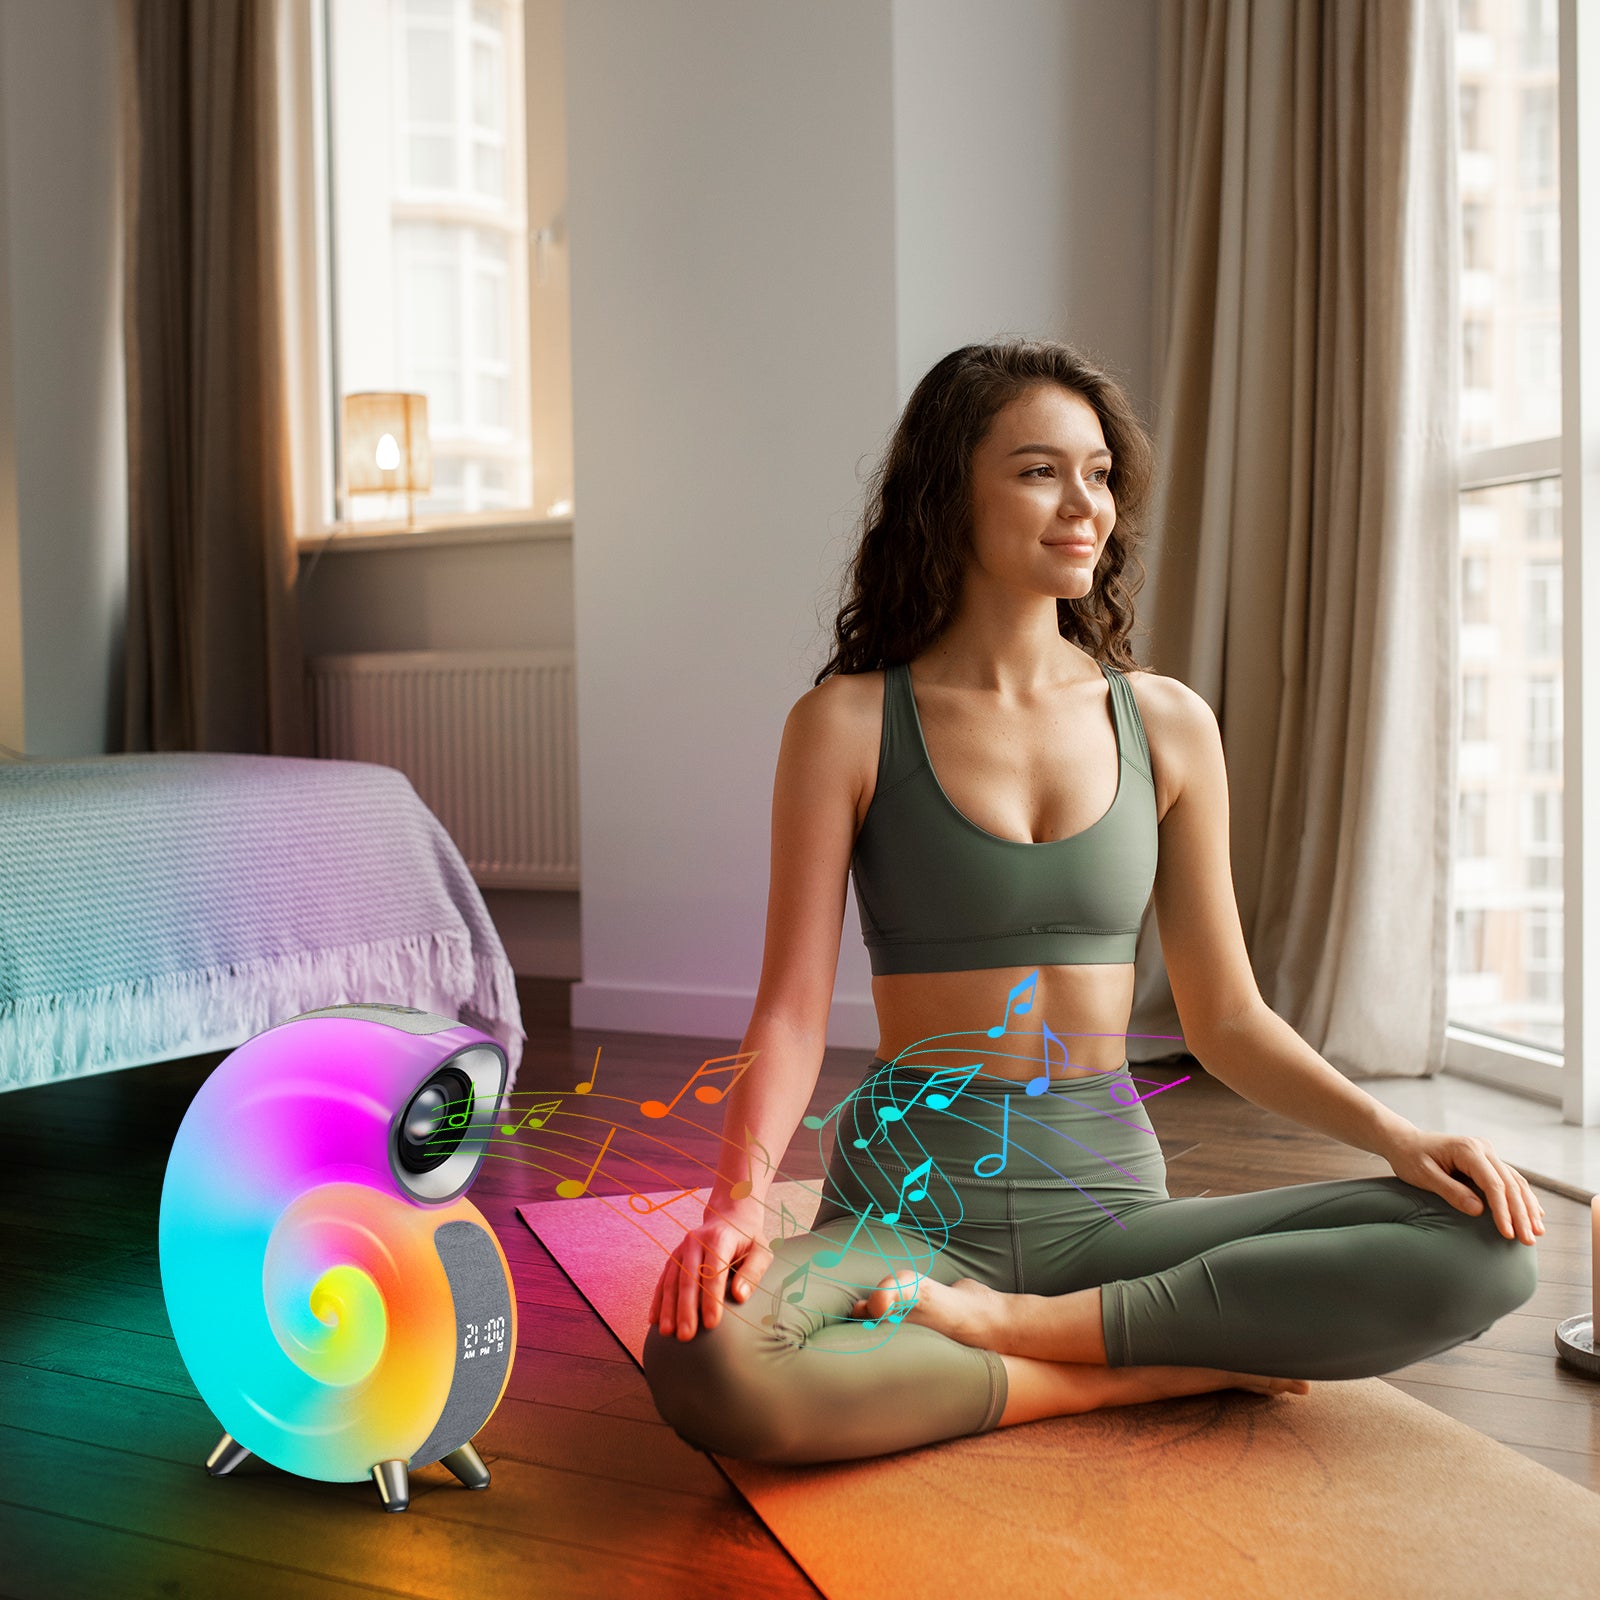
[[906, 575]]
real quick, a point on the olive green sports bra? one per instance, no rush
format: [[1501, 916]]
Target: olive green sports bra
[[937, 893]]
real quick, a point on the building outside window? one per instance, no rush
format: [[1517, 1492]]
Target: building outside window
[[1505, 970], [429, 222]]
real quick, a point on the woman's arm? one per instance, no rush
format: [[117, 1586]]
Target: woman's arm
[[815, 794], [1259, 1056], [1231, 1030], [763, 1109]]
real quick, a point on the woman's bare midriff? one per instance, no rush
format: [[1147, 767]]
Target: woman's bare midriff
[[944, 1018]]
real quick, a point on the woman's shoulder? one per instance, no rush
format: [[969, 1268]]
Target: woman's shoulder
[[845, 715], [845, 706], [845, 693], [1167, 708]]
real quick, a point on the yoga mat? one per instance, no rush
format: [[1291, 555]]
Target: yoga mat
[[1355, 1489]]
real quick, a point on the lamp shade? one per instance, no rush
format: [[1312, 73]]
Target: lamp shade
[[386, 443]]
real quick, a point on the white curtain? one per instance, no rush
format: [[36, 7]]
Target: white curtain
[[1304, 573]]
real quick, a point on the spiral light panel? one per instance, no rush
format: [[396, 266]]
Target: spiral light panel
[[309, 1196]]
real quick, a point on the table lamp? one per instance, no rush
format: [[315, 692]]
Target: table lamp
[[386, 448]]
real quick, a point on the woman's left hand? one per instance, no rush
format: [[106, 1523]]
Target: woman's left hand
[[1428, 1160]]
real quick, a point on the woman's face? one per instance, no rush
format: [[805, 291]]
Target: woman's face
[[1039, 490]]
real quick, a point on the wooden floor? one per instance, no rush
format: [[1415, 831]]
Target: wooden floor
[[102, 1435]]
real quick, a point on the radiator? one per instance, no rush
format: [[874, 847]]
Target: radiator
[[488, 739]]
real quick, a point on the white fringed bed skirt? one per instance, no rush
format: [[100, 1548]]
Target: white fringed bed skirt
[[126, 869]]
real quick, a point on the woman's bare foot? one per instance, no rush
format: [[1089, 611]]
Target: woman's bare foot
[[972, 1313], [967, 1311]]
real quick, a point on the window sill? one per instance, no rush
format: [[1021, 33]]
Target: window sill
[[1556, 1155], [495, 528]]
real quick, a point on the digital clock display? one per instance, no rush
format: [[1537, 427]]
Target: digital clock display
[[483, 1338]]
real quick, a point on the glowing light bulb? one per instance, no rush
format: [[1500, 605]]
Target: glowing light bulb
[[388, 454]]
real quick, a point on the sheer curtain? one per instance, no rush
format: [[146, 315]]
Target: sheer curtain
[[213, 652], [1305, 579]]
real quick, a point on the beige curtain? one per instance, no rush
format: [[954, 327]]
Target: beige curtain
[[213, 652], [1305, 578]]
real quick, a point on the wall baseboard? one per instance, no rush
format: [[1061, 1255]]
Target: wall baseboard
[[704, 1014]]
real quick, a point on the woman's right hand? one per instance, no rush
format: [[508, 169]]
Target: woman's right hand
[[692, 1285]]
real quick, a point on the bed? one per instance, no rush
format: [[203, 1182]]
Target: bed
[[167, 905]]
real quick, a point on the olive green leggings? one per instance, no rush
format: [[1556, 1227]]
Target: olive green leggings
[[1046, 1193]]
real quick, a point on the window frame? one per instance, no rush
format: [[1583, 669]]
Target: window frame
[[310, 267], [1569, 1078]]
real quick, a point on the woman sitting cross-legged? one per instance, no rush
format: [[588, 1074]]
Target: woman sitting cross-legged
[[1010, 790]]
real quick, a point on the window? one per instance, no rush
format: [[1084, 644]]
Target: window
[[1541, 846], [1541, 965], [1472, 823], [1539, 258], [1476, 372], [1471, 103], [1542, 634], [1475, 589], [1466, 944], [1539, 373], [1544, 724], [1539, 34], [1507, 884], [430, 236], [1474, 707], [1542, 514], [431, 224], [1537, 150], [1474, 235]]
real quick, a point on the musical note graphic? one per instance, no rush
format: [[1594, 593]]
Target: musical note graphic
[[803, 1273], [1133, 1097], [1030, 984], [744, 1185], [916, 1173], [1041, 1084], [999, 1155], [821, 1122], [533, 1119], [886, 1115], [832, 1258], [571, 1188], [584, 1088], [786, 1215], [649, 1205], [937, 1098], [895, 1313], [708, 1093]]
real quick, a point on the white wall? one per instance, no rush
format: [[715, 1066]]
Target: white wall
[[1025, 178], [781, 216], [731, 195], [67, 573]]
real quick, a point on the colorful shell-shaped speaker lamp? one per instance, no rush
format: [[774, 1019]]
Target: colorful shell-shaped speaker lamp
[[342, 1310]]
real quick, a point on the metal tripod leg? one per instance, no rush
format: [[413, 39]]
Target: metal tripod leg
[[468, 1466], [393, 1484], [226, 1454]]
